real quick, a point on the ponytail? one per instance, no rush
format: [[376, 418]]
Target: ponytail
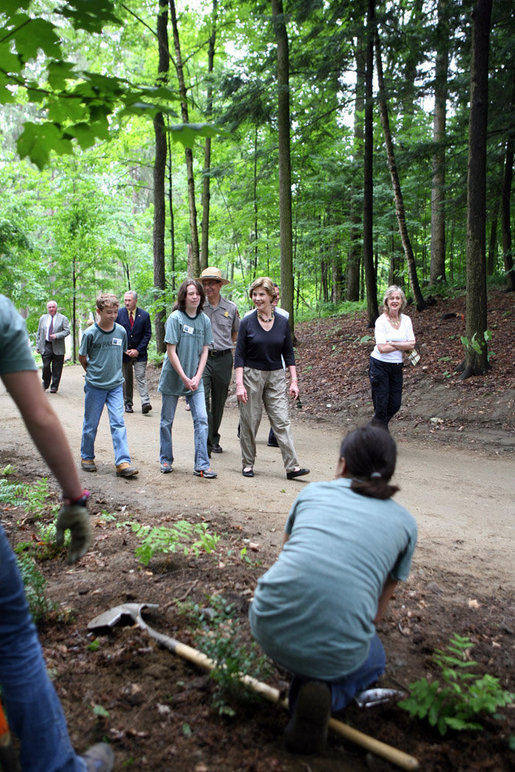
[[370, 454]]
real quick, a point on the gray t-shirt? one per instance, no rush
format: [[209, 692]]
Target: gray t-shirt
[[313, 610], [104, 351], [189, 335], [15, 353]]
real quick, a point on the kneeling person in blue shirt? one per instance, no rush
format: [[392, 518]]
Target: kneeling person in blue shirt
[[347, 544]]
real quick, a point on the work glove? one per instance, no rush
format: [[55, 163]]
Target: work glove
[[75, 517]]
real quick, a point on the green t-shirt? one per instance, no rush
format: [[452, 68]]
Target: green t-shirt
[[104, 351], [313, 610], [15, 353], [189, 335]]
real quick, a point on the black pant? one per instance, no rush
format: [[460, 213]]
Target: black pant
[[52, 367], [386, 382]]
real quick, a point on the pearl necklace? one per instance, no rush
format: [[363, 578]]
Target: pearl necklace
[[263, 319]]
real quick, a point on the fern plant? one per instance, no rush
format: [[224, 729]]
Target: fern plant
[[460, 696]]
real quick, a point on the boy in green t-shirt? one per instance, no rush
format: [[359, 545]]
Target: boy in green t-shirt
[[100, 354]]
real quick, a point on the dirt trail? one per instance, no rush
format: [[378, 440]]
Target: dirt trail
[[463, 501]]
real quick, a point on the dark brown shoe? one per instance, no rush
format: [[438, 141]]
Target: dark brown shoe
[[307, 729]]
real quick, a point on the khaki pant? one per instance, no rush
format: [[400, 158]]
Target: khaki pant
[[266, 387]]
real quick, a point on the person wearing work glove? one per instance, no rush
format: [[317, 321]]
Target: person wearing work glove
[[32, 706], [74, 516]]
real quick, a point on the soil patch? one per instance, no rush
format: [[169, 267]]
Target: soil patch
[[455, 476]]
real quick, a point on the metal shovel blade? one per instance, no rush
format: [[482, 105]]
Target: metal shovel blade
[[371, 697], [114, 615]]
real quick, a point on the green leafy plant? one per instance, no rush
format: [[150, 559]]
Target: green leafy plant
[[100, 712], [474, 343], [187, 537], [35, 586], [218, 633], [460, 696], [107, 517], [31, 496]]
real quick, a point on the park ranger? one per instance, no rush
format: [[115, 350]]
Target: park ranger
[[225, 322]]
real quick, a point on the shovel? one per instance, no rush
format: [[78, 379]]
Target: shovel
[[117, 614]]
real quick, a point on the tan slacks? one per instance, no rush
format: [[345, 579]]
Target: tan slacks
[[268, 388]]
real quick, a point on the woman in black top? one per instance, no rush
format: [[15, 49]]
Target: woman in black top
[[264, 340]]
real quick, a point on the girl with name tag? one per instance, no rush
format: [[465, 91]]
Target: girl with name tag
[[187, 337]]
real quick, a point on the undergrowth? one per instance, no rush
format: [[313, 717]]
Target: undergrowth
[[460, 696], [218, 632]]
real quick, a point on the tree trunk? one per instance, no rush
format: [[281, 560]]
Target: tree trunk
[[353, 272], [368, 175], [505, 216], [206, 179], [476, 354], [195, 259], [399, 201], [437, 269], [159, 183], [255, 202], [171, 212], [283, 124]]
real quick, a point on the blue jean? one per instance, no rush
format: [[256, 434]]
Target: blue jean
[[197, 403], [93, 406], [345, 688], [32, 706]]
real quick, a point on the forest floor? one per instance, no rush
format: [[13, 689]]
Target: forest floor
[[455, 471]]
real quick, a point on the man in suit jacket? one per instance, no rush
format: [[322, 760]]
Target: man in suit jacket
[[53, 328], [136, 322]]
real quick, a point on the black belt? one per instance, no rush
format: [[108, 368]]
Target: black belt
[[214, 353]]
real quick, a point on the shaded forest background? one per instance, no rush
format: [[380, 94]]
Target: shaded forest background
[[337, 147]]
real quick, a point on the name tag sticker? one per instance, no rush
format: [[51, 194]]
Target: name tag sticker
[[188, 329], [117, 342]]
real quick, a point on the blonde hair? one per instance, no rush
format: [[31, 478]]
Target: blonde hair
[[391, 289], [107, 300], [264, 282]]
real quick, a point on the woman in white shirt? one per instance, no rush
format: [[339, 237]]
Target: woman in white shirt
[[394, 335]]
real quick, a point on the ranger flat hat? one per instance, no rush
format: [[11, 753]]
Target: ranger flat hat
[[213, 273]]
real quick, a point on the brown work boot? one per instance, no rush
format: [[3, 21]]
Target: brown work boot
[[307, 729], [88, 465], [125, 470]]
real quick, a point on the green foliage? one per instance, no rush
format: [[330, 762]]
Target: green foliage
[[474, 344], [79, 104], [31, 496], [190, 538], [461, 696], [100, 712], [218, 633], [35, 585]]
